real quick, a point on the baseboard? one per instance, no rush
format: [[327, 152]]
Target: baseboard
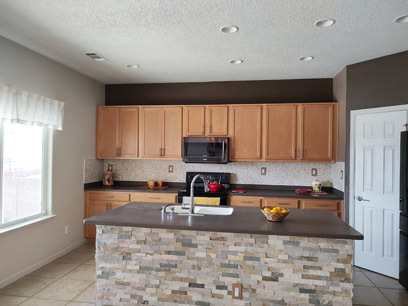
[[39, 264]]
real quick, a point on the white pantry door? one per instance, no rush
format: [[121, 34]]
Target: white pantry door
[[377, 160]]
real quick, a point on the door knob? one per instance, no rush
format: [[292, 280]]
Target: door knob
[[360, 198]]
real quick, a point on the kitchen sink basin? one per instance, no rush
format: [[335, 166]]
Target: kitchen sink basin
[[202, 210]]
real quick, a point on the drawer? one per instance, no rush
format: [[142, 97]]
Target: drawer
[[153, 197], [320, 204], [109, 196], [281, 202], [94, 208], [244, 201]]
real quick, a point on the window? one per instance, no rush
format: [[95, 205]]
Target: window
[[23, 160]]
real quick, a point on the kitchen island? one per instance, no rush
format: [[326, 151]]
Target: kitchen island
[[144, 257]]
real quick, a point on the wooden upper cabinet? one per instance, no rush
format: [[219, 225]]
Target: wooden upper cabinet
[[161, 132], [107, 133], [194, 120], [117, 132], [210, 120], [280, 132], [151, 129], [217, 120], [317, 132], [172, 132], [129, 132], [246, 132]]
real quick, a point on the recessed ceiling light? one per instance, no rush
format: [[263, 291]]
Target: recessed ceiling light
[[236, 61], [306, 58], [132, 66], [402, 19], [229, 29], [324, 23]]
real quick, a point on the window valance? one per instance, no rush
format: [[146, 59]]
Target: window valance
[[31, 109]]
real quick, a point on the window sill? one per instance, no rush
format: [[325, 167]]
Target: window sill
[[25, 223]]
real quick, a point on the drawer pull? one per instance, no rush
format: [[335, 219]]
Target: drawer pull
[[108, 197], [154, 198], [247, 202], [283, 203], [323, 205]]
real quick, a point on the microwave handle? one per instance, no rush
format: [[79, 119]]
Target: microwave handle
[[223, 150]]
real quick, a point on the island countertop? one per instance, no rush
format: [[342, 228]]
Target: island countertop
[[249, 220]]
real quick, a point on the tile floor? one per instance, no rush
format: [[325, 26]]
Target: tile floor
[[70, 280]]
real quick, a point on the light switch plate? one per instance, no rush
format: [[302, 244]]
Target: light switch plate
[[171, 168], [314, 171], [263, 171], [237, 291]]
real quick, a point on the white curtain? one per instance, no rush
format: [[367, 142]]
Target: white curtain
[[31, 109]]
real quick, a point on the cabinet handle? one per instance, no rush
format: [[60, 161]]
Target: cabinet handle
[[162, 152], [294, 154], [203, 129], [247, 202], [301, 154], [154, 198], [323, 205], [210, 128], [108, 197], [283, 203]]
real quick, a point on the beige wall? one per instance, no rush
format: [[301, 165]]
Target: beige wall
[[339, 94], [22, 68]]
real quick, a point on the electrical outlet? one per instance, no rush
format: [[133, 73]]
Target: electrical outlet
[[314, 171], [341, 174], [263, 171], [171, 168], [237, 291], [66, 229]]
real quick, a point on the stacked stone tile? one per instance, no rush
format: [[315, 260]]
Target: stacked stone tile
[[173, 267]]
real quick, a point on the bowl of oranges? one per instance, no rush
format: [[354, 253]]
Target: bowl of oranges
[[275, 214]]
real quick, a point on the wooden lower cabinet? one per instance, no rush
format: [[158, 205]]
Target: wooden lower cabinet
[[281, 202], [244, 201], [334, 206], [153, 197], [99, 202]]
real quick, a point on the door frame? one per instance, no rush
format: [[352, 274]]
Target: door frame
[[353, 116]]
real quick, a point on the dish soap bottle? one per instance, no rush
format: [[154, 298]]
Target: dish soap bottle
[[317, 185]]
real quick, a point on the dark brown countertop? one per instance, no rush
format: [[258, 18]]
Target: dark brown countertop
[[250, 220], [251, 190]]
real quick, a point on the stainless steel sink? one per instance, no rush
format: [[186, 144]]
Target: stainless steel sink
[[201, 210]]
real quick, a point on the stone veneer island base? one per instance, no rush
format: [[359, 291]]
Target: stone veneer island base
[[170, 266]]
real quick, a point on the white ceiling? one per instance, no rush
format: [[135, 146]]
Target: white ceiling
[[180, 40]]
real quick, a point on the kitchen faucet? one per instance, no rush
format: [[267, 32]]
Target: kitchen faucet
[[206, 189]]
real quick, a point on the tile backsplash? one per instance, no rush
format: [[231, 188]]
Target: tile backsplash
[[241, 172]]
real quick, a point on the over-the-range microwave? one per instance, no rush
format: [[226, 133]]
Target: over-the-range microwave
[[212, 150]]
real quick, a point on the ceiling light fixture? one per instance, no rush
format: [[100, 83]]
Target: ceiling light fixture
[[236, 61], [229, 29], [132, 66], [324, 23], [402, 19], [306, 58]]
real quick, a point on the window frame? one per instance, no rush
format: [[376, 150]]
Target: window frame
[[45, 180]]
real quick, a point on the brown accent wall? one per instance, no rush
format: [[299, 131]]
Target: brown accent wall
[[242, 92], [376, 83], [339, 95]]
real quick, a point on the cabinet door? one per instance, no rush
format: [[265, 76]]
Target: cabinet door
[[107, 139], [129, 131], [246, 124], [318, 132], [172, 132], [94, 208], [151, 132], [217, 120], [280, 132], [194, 120]]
